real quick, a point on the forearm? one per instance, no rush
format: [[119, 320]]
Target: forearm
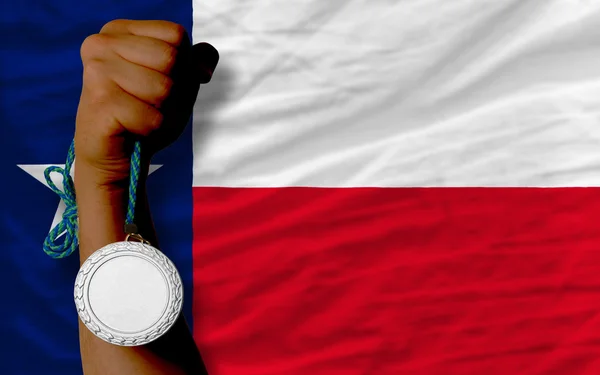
[[102, 212]]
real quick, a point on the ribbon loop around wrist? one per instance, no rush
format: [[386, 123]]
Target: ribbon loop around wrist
[[68, 227]]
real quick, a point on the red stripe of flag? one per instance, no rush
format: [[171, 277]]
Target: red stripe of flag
[[351, 281]]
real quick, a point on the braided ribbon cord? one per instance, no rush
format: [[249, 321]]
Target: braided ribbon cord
[[69, 224]]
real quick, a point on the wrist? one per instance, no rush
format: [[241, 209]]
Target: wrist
[[102, 208], [105, 183]]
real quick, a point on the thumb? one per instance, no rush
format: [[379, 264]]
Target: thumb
[[205, 59], [195, 66], [198, 64]]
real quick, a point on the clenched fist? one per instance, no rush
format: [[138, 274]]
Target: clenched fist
[[140, 81]]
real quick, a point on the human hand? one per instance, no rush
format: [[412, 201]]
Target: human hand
[[140, 81]]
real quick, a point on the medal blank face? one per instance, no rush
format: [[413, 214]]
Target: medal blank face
[[128, 293]]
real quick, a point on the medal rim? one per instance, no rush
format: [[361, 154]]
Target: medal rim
[[141, 250]]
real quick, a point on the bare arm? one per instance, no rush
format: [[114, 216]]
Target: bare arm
[[101, 215], [140, 81]]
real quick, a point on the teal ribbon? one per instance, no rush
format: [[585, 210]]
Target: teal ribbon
[[69, 223]]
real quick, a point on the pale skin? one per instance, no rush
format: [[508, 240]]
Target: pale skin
[[140, 81]]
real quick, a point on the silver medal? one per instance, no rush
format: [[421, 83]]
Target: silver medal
[[128, 293]]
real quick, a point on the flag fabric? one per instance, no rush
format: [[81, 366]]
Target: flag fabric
[[367, 187], [40, 85]]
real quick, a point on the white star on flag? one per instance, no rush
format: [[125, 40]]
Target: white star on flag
[[37, 171]]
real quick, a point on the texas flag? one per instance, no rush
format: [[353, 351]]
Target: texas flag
[[365, 187]]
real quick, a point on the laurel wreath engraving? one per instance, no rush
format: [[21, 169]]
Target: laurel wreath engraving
[[173, 278]]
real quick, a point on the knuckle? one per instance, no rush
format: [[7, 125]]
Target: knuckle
[[154, 119], [98, 87], [94, 72], [174, 32], [100, 95], [93, 45], [113, 25], [163, 89], [169, 58]]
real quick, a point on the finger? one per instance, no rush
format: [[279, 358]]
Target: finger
[[134, 115], [205, 59], [145, 51], [146, 84], [194, 67], [169, 32], [149, 52], [117, 107]]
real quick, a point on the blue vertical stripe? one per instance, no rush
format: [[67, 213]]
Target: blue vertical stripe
[[40, 83]]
